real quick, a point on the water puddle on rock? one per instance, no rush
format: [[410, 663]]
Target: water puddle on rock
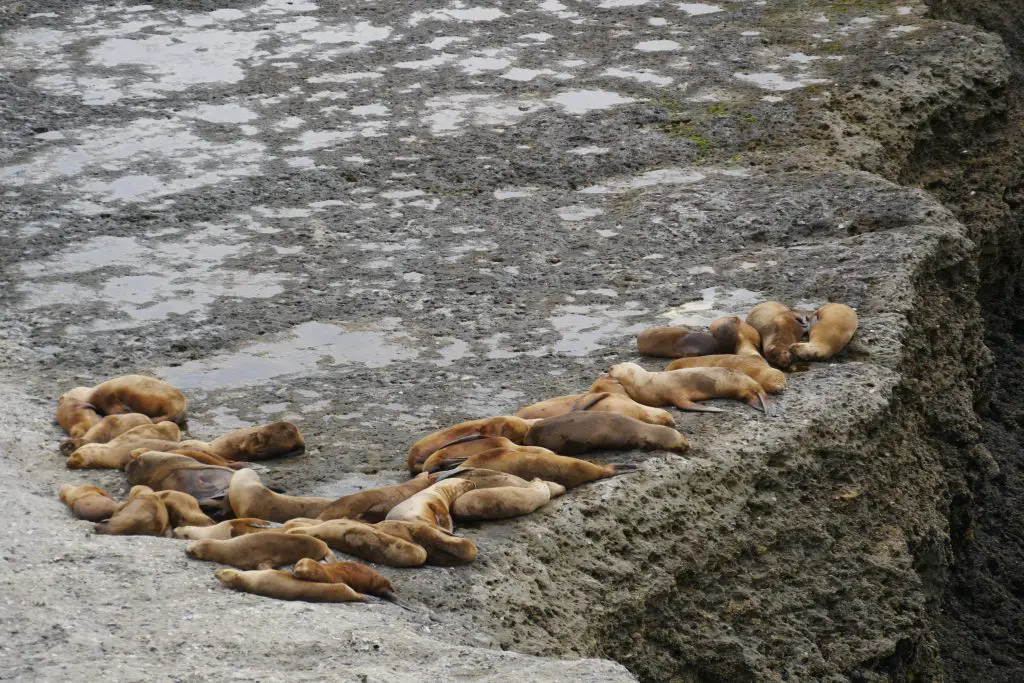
[[354, 482], [714, 304], [584, 329]]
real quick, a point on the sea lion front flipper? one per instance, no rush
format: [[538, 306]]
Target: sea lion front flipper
[[759, 402], [687, 404]]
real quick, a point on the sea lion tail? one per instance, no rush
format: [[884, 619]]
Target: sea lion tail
[[589, 401]]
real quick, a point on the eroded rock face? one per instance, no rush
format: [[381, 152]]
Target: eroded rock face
[[377, 222]]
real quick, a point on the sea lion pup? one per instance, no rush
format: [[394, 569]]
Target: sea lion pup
[[183, 510], [373, 505], [575, 433], [444, 549], [116, 453], [142, 514], [832, 326], [779, 328], [531, 462], [510, 427], [229, 528], [75, 414], [603, 402], [432, 505], [248, 497], [358, 577], [259, 551], [106, 429], [208, 484], [88, 502], [140, 394], [757, 368], [681, 388], [677, 342], [746, 340], [274, 440], [366, 541], [274, 583], [503, 501]]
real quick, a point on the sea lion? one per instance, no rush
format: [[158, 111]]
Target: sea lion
[[373, 505], [75, 414], [88, 502], [274, 440], [190, 449], [605, 383], [682, 387], [142, 514], [602, 402], [116, 453], [467, 446], [229, 528], [757, 368], [432, 504], [746, 340], [358, 577], [367, 542], [140, 394], [779, 328], [208, 484], [183, 509], [575, 433], [106, 429], [678, 342], [503, 501], [259, 551], [297, 522], [443, 548], [485, 479], [273, 583], [510, 427], [831, 328], [531, 462], [250, 498]]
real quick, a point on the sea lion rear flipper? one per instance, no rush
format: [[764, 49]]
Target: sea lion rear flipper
[[447, 464], [687, 404], [759, 402], [277, 489], [624, 468], [588, 401], [461, 439], [454, 473]]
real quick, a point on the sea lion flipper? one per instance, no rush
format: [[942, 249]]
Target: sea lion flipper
[[758, 402], [453, 473], [624, 468], [461, 439], [687, 404], [588, 401], [447, 464]]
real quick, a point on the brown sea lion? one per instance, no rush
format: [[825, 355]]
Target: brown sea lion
[[273, 583], [504, 501], [443, 549], [189, 449], [831, 328], [259, 551], [366, 541], [229, 528], [745, 339], [605, 383], [512, 428], [575, 433], [681, 388], [757, 368], [274, 440], [485, 479], [75, 414], [140, 394], [142, 514], [531, 462], [358, 577], [373, 505], [116, 453], [431, 505], [297, 522], [250, 498], [88, 502], [602, 402], [183, 509], [677, 342], [467, 446], [779, 328], [208, 484], [106, 429]]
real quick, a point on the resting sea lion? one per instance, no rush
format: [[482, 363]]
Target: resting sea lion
[[139, 394], [443, 549], [208, 484], [512, 428], [746, 340], [116, 453], [75, 414], [229, 528], [250, 498], [106, 429], [607, 383], [682, 387], [467, 446], [358, 577], [531, 462], [678, 342], [366, 541], [142, 514], [598, 402], [432, 504], [832, 327], [88, 502], [297, 522], [273, 583], [259, 551], [779, 328], [373, 505], [192, 450], [183, 509], [757, 368], [274, 440], [575, 433], [503, 501], [485, 479]]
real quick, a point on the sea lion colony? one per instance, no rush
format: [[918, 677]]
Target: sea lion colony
[[484, 469]]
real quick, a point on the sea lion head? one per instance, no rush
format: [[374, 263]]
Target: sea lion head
[[196, 547], [229, 577], [621, 371], [80, 457]]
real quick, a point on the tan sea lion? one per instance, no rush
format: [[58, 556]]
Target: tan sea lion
[[373, 505], [503, 501], [484, 479], [297, 522], [259, 551], [250, 498], [779, 328], [531, 462], [681, 388], [358, 577], [510, 427], [603, 402], [432, 504], [273, 583], [444, 549], [116, 453], [757, 368], [678, 342], [75, 414], [580, 432], [189, 449], [465, 447], [183, 509], [607, 383], [140, 394], [262, 442], [832, 327], [106, 429], [746, 340], [229, 528], [208, 484], [366, 541], [88, 502], [142, 514]]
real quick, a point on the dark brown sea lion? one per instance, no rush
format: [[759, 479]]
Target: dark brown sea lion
[[358, 577], [142, 514], [208, 484], [678, 342], [580, 432], [779, 328]]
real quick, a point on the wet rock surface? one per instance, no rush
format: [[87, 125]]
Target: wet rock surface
[[375, 220]]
